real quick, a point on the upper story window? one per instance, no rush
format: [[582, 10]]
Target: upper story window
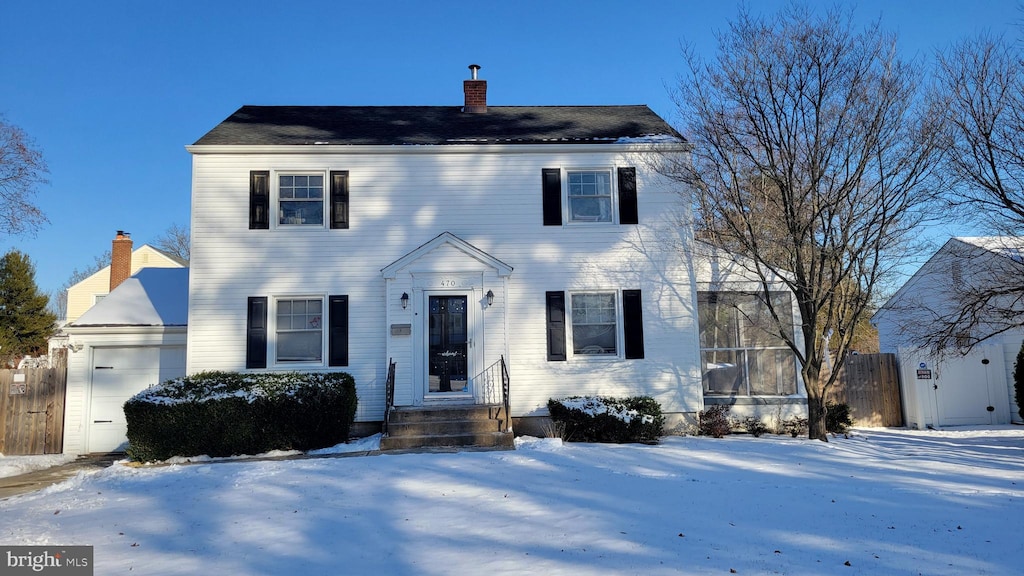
[[603, 195], [310, 199], [741, 352], [301, 198], [590, 195]]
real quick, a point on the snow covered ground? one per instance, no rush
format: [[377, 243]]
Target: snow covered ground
[[880, 502], [14, 465]]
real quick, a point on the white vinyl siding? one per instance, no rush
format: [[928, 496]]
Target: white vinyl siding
[[489, 198]]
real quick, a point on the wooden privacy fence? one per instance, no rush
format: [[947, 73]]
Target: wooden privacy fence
[[32, 409], [870, 385]]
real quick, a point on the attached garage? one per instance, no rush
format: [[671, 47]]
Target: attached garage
[[118, 373], [132, 339]]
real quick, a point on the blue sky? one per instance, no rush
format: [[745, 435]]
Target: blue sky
[[112, 91]]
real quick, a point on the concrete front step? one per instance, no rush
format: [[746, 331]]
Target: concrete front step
[[488, 440], [432, 426]]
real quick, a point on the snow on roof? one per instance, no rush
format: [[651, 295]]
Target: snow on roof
[[1010, 246], [152, 297]]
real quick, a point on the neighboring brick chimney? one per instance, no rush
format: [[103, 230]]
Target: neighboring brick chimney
[[476, 93], [120, 259]]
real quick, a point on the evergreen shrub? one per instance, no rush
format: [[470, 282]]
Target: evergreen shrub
[[227, 413], [606, 419]]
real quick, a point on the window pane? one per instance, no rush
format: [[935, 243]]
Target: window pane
[[587, 209], [302, 212], [771, 372], [722, 372], [299, 346], [594, 323]]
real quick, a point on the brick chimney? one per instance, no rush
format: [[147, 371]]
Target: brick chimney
[[120, 259], [476, 93]]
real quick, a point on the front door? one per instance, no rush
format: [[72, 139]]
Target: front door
[[448, 346]]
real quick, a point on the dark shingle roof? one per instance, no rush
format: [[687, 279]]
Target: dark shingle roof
[[422, 125]]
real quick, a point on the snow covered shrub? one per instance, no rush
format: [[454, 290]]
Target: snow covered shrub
[[227, 413], [795, 426], [754, 426], [837, 417], [604, 419], [714, 421]]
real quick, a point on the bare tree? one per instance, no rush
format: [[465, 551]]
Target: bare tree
[[811, 157], [175, 240], [21, 170], [980, 89]]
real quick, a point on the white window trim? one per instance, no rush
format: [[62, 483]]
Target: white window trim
[[272, 332], [275, 199], [619, 334], [567, 206]]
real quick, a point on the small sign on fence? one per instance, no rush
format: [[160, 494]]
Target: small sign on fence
[[924, 374], [18, 384]]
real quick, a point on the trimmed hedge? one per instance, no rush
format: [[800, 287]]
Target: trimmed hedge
[[605, 419], [227, 413]]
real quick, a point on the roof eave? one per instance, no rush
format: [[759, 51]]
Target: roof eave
[[453, 148]]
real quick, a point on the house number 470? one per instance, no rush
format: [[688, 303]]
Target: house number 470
[[448, 283]]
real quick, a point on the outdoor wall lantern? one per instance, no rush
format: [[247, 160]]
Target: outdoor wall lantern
[[490, 298], [405, 300]]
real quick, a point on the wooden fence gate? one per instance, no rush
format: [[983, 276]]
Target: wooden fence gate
[[32, 409], [870, 385]]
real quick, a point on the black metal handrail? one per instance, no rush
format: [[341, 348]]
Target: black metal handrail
[[487, 383], [389, 395], [505, 385]]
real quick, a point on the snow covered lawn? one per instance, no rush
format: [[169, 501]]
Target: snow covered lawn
[[15, 465], [881, 502]]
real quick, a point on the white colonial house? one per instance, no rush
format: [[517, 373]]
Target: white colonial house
[[489, 254], [956, 388]]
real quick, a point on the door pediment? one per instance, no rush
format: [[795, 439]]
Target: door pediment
[[436, 255]]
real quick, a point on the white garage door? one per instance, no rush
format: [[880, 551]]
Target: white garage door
[[117, 375]]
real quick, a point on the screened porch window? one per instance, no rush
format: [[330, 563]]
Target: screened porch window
[[742, 353]]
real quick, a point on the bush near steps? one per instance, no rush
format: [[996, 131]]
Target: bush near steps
[[606, 419], [228, 413]]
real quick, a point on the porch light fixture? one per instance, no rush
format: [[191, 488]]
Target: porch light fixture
[[405, 300], [490, 298]]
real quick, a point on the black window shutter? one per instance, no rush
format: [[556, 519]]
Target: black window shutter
[[552, 197], [339, 199], [633, 323], [259, 200], [627, 196], [556, 325], [338, 337], [256, 333]]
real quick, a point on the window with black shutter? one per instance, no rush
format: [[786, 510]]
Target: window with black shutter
[[628, 213], [633, 324], [552, 180]]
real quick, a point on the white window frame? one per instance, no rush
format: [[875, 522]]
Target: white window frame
[[613, 197], [278, 213], [571, 336], [272, 332]]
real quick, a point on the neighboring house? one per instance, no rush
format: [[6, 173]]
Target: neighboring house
[[133, 338], [954, 389], [91, 290], [447, 238]]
